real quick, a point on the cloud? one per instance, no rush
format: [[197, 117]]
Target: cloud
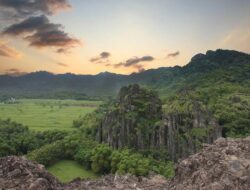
[[140, 68], [175, 54], [7, 51], [62, 64], [134, 61], [28, 19], [118, 65], [62, 50], [14, 72], [40, 32], [105, 55], [99, 59], [32, 7], [28, 25]]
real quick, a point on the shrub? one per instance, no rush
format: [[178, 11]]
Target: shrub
[[101, 159]]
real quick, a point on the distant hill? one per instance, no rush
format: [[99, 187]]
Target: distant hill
[[219, 81], [163, 79]]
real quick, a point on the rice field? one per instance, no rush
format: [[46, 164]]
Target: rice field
[[40, 114]]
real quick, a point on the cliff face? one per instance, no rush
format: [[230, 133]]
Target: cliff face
[[137, 121], [185, 132], [223, 165], [130, 121]]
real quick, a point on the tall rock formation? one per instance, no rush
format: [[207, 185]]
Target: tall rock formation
[[136, 120], [131, 120], [187, 131]]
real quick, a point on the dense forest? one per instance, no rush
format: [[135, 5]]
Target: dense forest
[[50, 146]]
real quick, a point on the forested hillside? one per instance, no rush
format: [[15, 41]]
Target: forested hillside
[[220, 67], [220, 82], [202, 101]]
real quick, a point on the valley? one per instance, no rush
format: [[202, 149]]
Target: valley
[[46, 114], [145, 123]]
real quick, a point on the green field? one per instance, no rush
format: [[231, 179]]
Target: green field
[[67, 170], [43, 115]]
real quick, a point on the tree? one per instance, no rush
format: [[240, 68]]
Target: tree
[[101, 159]]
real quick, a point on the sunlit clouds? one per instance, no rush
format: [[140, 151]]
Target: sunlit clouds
[[39, 32], [35, 27], [24, 8], [8, 51], [88, 37]]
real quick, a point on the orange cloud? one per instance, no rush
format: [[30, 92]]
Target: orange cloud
[[14, 72], [7, 51]]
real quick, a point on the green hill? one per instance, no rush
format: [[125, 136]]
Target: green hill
[[218, 80]]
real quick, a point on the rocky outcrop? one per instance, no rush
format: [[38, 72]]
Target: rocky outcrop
[[17, 173], [136, 120], [224, 165], [130, 121], [187, 131]]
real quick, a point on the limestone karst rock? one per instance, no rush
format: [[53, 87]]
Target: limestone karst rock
[[222, 165], [131, 119], [136, 120]]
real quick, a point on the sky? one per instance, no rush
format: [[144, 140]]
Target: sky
[[119, 36]]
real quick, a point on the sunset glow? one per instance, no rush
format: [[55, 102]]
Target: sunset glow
[[71, 35]]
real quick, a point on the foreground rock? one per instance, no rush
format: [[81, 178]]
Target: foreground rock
[[224, 165], [18, 173]]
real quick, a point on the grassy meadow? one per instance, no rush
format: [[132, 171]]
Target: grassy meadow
[[66, 170], [40, 114]]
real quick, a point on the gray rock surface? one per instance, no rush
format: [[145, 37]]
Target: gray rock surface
[[225, 165], [179, 133]]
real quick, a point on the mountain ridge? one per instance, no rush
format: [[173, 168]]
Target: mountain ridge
[[108, 84], [197, 57]]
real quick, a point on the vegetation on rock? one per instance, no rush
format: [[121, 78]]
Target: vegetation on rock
[[223, 165]]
